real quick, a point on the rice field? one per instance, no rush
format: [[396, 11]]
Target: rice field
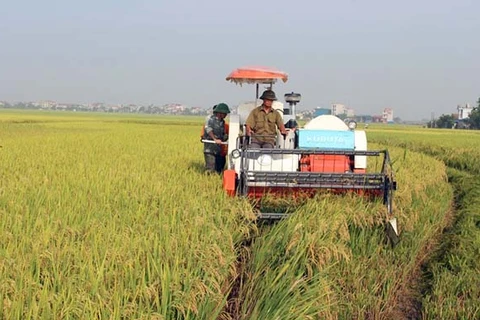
[[453, 284], [112, 217]]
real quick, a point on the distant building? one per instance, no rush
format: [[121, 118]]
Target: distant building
[[350, 112], [338, 109], [47, 104], [387, 115], [464, 112], [363, 118], [321, 111]]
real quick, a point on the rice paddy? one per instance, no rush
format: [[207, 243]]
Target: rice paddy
[[113, 217]]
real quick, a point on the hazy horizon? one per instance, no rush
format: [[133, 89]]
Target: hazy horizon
[[415, 57]]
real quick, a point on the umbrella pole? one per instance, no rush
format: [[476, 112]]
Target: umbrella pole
[[256, 94]]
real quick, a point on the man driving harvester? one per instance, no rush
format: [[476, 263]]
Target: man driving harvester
[[262, 123]]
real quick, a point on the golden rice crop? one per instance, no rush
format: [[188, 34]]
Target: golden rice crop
[[453, 282], [112, 217], [106, 219]]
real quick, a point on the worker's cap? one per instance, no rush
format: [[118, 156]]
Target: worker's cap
[[268, 95], [222, 108]]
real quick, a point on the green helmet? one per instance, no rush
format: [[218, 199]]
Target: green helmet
[[268, 95], [222, 108]]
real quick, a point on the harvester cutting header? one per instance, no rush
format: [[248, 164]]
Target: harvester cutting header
[[326, 154]]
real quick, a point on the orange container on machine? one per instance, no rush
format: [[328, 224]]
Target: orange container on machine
[[325, 163]]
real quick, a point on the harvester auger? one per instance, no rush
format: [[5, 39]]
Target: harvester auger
[[326, 154]]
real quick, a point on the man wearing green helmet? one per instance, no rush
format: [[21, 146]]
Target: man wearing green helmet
[[215, 132], [263, 122]]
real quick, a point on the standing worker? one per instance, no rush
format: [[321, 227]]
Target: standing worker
[[202, 133], [263, 122], [216, 131]]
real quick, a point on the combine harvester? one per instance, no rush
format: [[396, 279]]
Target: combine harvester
[[326, 154]]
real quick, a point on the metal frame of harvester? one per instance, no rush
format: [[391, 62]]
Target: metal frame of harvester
[[255, 183]]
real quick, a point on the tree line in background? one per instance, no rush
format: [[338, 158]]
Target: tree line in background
[[449, 121]]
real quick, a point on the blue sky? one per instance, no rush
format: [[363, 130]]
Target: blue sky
[[417, 57]]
